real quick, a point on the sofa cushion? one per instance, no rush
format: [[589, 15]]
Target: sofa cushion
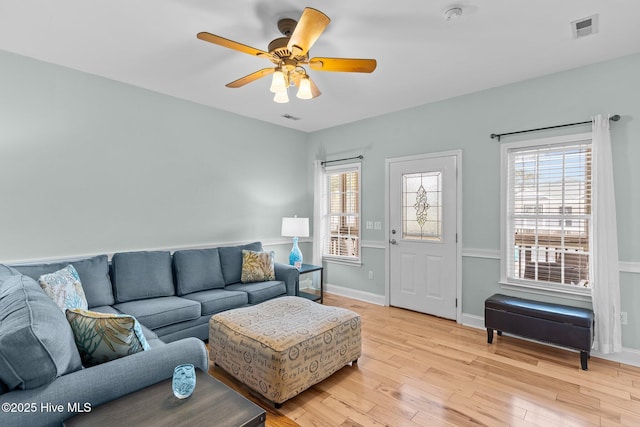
[[217, 300], [257, 266], [231, 260], [260, 291], [197, 270], [158, 312], [93, 273], [64, 288], [102, 337], [36, 342], [6, 272], [141, 275]]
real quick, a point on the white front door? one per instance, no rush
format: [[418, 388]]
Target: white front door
[[422, 234]]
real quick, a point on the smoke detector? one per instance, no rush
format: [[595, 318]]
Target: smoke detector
[[585, 26], [451, 13]]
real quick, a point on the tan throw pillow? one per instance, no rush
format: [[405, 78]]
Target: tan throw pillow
[[257, 266], [101, 337]]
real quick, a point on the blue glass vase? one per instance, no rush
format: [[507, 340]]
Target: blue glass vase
[[184, 381], [295, 256]]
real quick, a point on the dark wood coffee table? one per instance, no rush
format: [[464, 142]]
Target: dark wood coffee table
[[211, 404]]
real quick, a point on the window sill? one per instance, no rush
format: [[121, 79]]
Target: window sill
[[352, 263], [572, 294]]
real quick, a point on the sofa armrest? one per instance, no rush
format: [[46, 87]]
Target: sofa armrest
[[290, 276], [102, 383]]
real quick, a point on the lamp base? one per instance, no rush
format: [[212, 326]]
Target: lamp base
[[295, 256]]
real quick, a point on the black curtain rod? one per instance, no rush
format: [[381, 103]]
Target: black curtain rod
[[614, 118], [340, 160]]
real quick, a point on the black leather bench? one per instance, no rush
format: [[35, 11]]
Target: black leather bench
[[557, 324]]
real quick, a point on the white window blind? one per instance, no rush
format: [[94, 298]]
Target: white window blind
[[548, 213], [342, 218]]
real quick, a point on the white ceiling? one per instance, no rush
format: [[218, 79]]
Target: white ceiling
[[421, 57]]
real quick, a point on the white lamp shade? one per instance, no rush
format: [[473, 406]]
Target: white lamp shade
[[278, 83], [281, 97], [295, 227], [304, 91]]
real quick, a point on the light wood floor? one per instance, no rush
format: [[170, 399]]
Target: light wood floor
[[418, 370]]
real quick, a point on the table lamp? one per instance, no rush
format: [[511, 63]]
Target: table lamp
[[295, 227]]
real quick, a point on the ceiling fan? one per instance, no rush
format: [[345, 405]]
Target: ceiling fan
[[290, 53]]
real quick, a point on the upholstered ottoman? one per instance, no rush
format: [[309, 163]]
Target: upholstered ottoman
[[283, 346]]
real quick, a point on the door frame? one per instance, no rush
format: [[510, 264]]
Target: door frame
[[387, 253]]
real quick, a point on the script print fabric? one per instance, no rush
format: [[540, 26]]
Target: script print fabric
[[283, 346]]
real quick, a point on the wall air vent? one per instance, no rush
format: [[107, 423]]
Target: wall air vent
[[585, 26], [290, 117]]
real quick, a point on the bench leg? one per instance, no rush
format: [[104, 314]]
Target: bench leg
[[584, 356], [490, 335]]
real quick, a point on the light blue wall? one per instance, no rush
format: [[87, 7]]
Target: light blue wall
[[465, 123], [89, 165]]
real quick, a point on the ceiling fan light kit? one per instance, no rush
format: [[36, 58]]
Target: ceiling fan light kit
[[281, 97], [278, 82], [290, 53], [304, 89]]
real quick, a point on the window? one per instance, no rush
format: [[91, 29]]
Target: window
[[342, 215], [547, 213], [565, 212], [422, 206]]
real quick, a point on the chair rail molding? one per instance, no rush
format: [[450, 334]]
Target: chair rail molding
[[629, 267], [481, 253]]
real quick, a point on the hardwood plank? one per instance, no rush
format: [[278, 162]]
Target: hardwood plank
[[420, 370]]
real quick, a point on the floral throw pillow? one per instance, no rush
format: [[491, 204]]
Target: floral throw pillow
[[101, 337], [64, 288], [257, 266]]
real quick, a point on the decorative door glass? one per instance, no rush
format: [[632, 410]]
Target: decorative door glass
[[422, 206]]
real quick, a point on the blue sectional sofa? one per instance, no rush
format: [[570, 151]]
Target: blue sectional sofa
[[173, 296]]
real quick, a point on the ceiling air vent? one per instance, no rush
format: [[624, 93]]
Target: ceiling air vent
[[585, 26], [290, 117]]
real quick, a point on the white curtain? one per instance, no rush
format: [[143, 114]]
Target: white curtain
[[318, 200], [605, 277]]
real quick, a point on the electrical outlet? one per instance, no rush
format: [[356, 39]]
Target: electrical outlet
[[370, 275], [623, 318]]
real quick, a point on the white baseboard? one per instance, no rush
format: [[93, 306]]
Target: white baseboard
[[355, 294], [628, 356], [472, 320]]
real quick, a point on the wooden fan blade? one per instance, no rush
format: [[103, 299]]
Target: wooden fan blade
[[311, 24], [251, 77], [349, 65], [230, 44]]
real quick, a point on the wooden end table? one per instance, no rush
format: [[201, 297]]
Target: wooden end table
[[212, 403]]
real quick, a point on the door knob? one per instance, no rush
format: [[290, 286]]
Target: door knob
[[393, 242]]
